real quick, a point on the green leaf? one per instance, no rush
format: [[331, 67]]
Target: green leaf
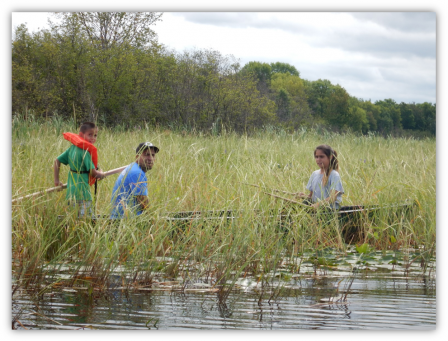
[[364, 248]]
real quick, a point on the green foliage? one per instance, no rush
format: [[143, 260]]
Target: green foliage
[[109, 67], [317, 93], [286, 68], [358, 121], [111, 29], [292, 107], [337, 107], [407, 116], [364, 248], [262, 71], [390, 116]]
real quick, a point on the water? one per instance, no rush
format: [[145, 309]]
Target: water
[[392, 301]]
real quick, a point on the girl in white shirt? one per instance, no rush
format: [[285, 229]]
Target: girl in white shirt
[[325, 184]]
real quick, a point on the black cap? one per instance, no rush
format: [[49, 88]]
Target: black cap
[[145, 145]]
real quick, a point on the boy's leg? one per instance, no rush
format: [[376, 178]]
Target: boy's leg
[[83, 208], [72, 207]]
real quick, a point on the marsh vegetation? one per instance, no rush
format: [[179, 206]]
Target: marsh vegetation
[[195, 171]]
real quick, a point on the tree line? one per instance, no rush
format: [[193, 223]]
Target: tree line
[[110, 67]]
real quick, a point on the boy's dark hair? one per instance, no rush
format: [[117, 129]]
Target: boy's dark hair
[[86, 126]]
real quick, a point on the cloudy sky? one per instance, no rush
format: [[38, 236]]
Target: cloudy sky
[[373, 55]]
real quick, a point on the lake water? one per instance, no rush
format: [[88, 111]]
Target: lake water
[[384, 296]]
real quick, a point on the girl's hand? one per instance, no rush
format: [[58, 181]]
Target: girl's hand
[[58, 183], [316, 205]]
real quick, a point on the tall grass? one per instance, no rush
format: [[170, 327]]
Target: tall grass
[[197, 171]]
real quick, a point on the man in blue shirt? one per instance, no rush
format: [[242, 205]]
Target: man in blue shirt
[[130, 193]]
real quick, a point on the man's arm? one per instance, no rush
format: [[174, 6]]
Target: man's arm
[[143, 201]]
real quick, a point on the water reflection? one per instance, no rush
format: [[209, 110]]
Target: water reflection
[[324, 299], [393, 303]]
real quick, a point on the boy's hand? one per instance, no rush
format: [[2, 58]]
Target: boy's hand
[[97, 174], [58, 183], [101, 175]]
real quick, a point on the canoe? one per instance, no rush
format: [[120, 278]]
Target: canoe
[[351, 218], [343, 212]]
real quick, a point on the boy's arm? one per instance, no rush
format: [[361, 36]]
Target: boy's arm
[[56, 168]]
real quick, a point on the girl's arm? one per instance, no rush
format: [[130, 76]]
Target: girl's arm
[[331, 199], [303, 195]]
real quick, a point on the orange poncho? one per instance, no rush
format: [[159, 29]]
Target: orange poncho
[[79, 142]]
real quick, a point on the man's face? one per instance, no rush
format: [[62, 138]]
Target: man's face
[[146, 159], [90, 135]]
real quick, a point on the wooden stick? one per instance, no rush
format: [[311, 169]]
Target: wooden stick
[[275, 190], [293, 201], [60, 188], [114, 171]]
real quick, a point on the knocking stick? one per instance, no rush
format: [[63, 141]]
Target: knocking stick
[[60, 188]]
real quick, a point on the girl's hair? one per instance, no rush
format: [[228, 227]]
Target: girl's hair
[[86, 126], [333, 156]]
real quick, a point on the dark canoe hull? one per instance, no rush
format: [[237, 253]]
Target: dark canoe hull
[[351, 218], [345, 211]]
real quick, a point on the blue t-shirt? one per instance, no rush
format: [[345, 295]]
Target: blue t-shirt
[[130, 183], [322, 193]]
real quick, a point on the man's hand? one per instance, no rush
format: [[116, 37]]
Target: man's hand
[[143, 201]]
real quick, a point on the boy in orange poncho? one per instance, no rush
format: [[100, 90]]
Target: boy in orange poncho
[[82, 158]]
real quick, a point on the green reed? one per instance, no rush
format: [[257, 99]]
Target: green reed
[[197, 171]]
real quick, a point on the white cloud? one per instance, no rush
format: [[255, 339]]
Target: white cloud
[[369, 54]]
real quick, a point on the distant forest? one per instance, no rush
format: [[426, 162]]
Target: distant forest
[[110, 68]]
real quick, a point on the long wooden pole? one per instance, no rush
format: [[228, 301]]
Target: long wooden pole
[[286, 199], [275, 190], [60, 188]]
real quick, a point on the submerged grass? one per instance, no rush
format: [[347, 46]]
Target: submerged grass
[[196, 171]]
